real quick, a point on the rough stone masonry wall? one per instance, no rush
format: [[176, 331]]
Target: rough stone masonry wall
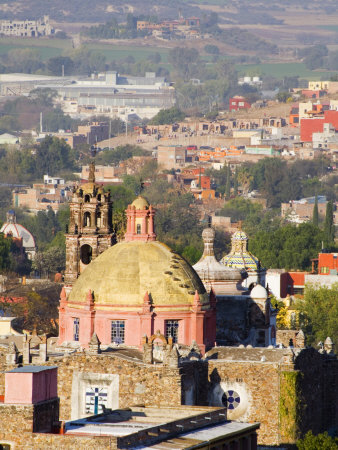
[[138, 383], [261, 381], [16, 425], [3, 368]]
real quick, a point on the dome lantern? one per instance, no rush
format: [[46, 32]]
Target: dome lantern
[[140, 221]]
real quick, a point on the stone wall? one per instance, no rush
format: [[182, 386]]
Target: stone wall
[[139, 383], [3, 354], [257, 384], [284, 336]]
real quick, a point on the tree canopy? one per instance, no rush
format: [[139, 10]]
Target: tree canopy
[[168, 116], [319, 313], [288, 247]]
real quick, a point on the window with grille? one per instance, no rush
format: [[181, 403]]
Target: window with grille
[[117, 331], [76, 329], [138, 229], [171, 329]]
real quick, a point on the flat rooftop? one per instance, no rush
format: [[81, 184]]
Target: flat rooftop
[[178, 427], [202, 437]]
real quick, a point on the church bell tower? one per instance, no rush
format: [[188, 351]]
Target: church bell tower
[[90, 226]]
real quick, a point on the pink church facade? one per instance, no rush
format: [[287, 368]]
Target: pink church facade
[[192, 320]]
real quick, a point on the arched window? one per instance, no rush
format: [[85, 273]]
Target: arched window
[[99, 197], [98, 220], [86, 253], [87, 198], [138, 228], [86, 219]]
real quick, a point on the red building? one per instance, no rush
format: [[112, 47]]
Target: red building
[[310, 126], [316, 124], [309, 93], [328, 263], [238, 102]]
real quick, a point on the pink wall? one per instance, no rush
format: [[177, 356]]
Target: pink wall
[[200, 326], [31, 387]]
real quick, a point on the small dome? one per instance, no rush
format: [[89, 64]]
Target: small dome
[[259, 292], [140, 203], [18, 231]]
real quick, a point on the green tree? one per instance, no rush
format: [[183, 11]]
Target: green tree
[[49, 261], [228, 182], [315, 217], [5, 246], [319, 313], [183, 60], [288, 247], [40, 313], [53, 155], [283, 97], [212, 49], [329, 225], [168, 116], [121, 195], [236, 183], [319, 442]]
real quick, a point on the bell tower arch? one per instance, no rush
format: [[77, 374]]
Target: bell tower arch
[[90, 226]]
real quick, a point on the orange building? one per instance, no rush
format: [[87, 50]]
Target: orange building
[[328, 263]]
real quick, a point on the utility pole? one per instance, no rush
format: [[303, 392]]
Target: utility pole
[[41, 122]]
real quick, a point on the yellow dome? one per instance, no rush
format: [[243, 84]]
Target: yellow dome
[[140, 203], [121, 276]]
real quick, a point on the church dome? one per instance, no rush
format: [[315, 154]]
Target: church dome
[[259, 293], [140, 203], [11, 228], [120, 277], [240, 257], [240, 236]]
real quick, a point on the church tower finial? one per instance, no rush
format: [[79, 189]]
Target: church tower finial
[[140, 221]]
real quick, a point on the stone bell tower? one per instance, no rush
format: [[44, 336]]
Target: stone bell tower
[[90, 226]]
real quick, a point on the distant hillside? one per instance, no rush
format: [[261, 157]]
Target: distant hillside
[[103, 10]]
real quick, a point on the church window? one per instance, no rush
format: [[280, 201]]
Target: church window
[[231, 399], [86, 254], [96, 400], [171, 329], [117, 331], [98, 220], [76, 329], [86, 219], [138, 228], [87, 198]]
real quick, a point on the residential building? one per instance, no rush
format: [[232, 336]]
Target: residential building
[[236, 103], [50, 194], [300, 211], [7, 138], [103, 174], [171, 156], [26, 28]]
